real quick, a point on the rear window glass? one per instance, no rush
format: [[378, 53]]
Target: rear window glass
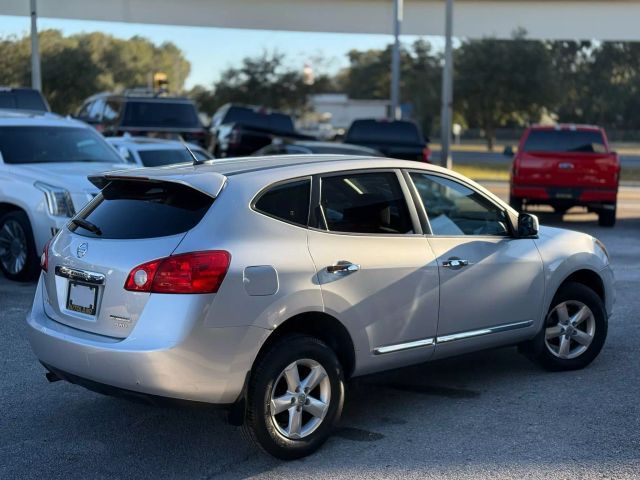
[[565, 141], [382, 132], [23, 100], [160, 114], [54, 145], [251, 118], [134, 209], [158, 158], [288, 202]]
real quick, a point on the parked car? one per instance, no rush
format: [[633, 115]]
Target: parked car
[[20, 98], [394, 138], [137, 114], [44, 163], [154, 152], [293, 147], [565, 166], [239, 130], [265, 283]]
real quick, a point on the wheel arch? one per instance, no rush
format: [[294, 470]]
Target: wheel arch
[[322, 326], [589, 278]]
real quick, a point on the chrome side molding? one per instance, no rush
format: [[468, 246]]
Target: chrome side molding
[[80, 275], [429, 342], [398, 347], [483, 331]]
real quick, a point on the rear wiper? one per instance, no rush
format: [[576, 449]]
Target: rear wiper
[[87, 225]]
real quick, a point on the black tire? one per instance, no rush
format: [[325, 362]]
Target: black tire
[[537, 349], [516, 203], [31, 267], [560, 210], [607, 218], [259, 426]]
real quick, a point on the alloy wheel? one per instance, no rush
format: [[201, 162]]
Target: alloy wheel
[[298, 407], [13, 247], [570, 329]]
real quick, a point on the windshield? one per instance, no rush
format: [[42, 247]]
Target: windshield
[[251, 118], [158, 158], [565, 141], [384, 132], [23, 100], [54, 145], [160, 114]]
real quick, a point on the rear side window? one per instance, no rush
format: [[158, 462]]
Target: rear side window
[[288, 202], [256, 119], [364, 203], [384, 131], [590, 141], [160, 114], [137, 209]]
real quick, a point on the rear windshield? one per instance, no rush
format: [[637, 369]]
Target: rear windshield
[[54, 145], [160, 114], [158, 158], [590, 141], [22, 100], [137, 209], [278, 122], [383, 132]]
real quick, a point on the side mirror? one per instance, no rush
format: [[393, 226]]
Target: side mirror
[[528, 225], [508, 151]]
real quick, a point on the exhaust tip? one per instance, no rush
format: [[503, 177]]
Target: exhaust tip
[[52, 377]]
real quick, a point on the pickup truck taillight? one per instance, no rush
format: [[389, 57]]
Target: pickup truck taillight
[[195, 272], [426, 154]]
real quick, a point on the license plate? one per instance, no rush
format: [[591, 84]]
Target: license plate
[[564, 194], [82, 298]]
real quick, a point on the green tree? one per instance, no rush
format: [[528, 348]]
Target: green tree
[[501, 82]]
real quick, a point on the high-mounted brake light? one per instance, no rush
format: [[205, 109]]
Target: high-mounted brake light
[[44, 258], [195, 272]]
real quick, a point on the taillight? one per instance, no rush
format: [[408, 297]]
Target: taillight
[[44, 258], [195, 272], [426, 154]]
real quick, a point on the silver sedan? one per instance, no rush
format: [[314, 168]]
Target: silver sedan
[[265, 283]]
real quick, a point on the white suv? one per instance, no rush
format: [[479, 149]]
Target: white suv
[[44, 163]]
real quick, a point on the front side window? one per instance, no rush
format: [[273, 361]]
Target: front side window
[[364, 203], [455, 209], [288, 202]]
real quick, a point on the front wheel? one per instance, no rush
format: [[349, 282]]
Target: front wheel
[[295, 397], [574, 330]]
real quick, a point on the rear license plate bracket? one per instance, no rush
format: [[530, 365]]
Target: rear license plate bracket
[[82, 298]]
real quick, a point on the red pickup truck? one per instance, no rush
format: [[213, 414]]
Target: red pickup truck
[[566, 166]]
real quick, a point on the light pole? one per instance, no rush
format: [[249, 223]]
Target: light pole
[[36, 78], [447, 89], [398, 8]]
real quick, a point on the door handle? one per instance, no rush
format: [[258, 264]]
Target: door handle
[[343, 267], [455, 263]]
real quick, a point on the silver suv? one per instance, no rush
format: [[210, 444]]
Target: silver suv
[[264, 284]]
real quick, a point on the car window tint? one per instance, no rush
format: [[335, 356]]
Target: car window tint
[[454, 209], [384, 131], [135, 209], [365, 203], [259, 119], [159, 158], [22, 99], [588, 141], [155, 113], [288, 202]]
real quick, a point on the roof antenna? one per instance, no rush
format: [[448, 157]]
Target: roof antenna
[[195, 159]]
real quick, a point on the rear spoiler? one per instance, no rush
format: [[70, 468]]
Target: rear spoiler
[[209, 183]]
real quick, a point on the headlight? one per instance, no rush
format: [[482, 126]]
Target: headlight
[[58, 200]]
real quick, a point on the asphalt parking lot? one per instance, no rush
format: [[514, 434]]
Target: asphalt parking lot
[[487, 415]]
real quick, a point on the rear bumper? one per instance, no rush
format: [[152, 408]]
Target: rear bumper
[[567, 195], [204, 365]]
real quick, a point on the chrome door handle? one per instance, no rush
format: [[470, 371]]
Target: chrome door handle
[[343, 267], [455, 263]]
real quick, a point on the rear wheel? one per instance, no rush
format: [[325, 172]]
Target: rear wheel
[[295, 397], [607, 218], [18, 257], [574, 330], [516, 203]]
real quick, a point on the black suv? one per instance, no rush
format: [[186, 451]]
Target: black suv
[[141, 114], [23, 99]]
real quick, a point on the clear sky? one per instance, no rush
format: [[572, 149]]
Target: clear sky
[[211, 50]]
